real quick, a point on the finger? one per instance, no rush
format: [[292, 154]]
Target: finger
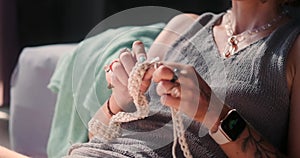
[[108, 77], [120, 73], [175, 92], [139, 51], [115, 81], [148, 77], [162, 73], [127, 61], [179, 73], [170, 101], [183, 105], [145, 85], [166, 87], [146, 80], [107, 74]]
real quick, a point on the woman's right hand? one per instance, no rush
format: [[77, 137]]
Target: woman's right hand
[[118, 74]]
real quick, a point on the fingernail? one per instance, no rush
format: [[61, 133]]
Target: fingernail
[[142, 58], [106, 68], [112, 63], [137, 43], [124, 50]]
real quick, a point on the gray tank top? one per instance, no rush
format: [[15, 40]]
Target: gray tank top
[[253, 81]]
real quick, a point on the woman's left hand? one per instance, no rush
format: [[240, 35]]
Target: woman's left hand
[[182, 88]]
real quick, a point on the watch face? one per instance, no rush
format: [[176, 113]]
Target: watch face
[[233, 125]]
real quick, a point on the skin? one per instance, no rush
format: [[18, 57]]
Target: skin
[[246, 14], [293, 78], [5, 153]]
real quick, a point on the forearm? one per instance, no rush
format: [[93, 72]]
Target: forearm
[[105, 112], [251, 144], [5, 153]]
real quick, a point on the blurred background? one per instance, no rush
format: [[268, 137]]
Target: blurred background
[[29, 23], [39, 22]]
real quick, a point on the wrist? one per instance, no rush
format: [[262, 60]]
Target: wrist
[[111, 107], [229, 128], [222, 115], [216, 112], [108, 107], [107, 110]]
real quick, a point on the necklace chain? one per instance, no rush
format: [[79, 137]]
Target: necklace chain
[[233, 40]]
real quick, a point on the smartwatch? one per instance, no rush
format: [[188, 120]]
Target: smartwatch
[[230, 128]]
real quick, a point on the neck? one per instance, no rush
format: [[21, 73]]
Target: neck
[[250, 14]]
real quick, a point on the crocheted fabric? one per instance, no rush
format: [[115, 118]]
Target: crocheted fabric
[[113, 131]]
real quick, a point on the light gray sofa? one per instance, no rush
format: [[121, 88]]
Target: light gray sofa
[[32, 103]]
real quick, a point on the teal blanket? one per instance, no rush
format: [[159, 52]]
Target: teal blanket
[[79, 81]]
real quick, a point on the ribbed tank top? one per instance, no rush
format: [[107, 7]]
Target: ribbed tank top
[[253, 81]]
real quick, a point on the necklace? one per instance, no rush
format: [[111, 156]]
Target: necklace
[[233, 40]]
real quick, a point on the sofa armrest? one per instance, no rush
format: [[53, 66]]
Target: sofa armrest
[[32, 103]]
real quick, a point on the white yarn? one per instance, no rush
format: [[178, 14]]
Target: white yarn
[[113, 130], [98, 129], [179, 130]]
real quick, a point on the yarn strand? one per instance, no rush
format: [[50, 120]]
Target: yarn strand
[[113, 130]]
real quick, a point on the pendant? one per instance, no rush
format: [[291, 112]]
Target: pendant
[[231, 47]]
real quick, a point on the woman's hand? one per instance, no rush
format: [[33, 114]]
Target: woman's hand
[[188, 93], [117, 76], [182, 88]]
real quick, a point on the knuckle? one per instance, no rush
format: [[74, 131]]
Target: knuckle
[[162, 70], [164, 100], [125, 56], [164, 73], [159, 89], [165, 69], [116, 66], [164, 84]]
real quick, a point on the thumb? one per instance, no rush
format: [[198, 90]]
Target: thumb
[[139, 52]]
